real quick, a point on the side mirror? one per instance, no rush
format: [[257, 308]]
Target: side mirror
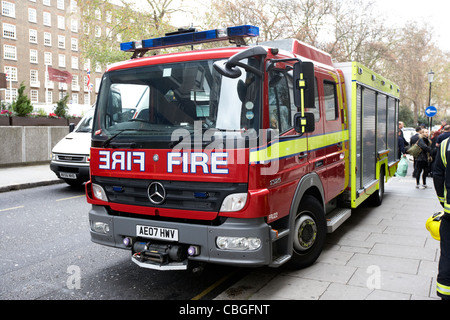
[[229, 68], [305, 123], [304, 82], [71, 127]]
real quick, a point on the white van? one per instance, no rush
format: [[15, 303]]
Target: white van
[[70, 156]]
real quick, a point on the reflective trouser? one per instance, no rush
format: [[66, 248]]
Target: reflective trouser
[[443, 278]]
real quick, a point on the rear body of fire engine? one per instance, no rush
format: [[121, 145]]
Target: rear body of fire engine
[[245, 156]]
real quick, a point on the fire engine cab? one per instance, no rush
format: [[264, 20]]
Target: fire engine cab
[[246, 155]]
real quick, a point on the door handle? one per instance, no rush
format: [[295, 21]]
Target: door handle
[[303, 155]]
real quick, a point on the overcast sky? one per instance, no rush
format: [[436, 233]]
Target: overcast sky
[[435, 12]]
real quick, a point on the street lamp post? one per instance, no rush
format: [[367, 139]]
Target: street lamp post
[[430, 80]]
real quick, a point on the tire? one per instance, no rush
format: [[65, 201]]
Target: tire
[[309, 233], [74, 183], [377, 198]]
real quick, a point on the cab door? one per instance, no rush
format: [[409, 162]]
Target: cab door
[[334, 134]]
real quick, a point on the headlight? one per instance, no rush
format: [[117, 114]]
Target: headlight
[[100, 227], [234, 202], [99, 192], [238, 243]]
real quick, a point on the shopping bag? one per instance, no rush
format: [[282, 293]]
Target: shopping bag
[[415, 150], [402, 167]]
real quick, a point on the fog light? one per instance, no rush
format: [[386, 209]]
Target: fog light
[[100, 227], [238, 243], [193, 250], [127, 241]]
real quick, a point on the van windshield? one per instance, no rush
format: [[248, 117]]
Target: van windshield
[[149, 103], [85, 124]]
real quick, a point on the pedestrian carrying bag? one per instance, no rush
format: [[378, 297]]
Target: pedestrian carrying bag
[[415, 150], [402, 168]]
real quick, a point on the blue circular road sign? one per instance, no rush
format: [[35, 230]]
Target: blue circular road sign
[[431, 111]]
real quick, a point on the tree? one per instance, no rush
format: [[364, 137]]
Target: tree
[[410, 65], [125, 21], [22, 106], [61, 107], [356, 33]]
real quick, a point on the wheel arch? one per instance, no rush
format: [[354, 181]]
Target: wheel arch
[[309, 184]]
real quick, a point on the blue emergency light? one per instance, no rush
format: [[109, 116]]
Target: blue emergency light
[[191, 37]]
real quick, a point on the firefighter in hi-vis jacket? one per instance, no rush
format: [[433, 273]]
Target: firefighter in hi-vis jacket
[[441, 178]]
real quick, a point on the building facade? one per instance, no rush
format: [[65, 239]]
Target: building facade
[[37, 34]]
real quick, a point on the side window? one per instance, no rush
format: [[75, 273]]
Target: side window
[[330, 101], [279, 105], [315, 109]]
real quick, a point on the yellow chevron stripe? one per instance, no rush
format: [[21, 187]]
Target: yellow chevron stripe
[[281, 149]]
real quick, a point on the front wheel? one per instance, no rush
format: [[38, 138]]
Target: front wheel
[[309, 233]]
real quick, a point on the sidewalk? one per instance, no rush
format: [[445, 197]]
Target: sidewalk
[[23, 177], [382, 253]]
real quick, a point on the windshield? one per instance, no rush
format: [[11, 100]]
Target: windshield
[[150, 103], [85, 124]]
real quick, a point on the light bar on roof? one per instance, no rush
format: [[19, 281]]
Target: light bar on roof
[[191, 38]]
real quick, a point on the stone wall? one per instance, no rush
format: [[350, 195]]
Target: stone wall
[[28, 145]]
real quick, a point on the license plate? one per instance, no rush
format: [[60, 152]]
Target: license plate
[[68, 175], [157, 233]]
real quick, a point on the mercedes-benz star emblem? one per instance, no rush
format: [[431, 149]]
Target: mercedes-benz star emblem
[[156, 193]]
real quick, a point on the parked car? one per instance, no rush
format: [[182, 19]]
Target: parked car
[[70, 156]]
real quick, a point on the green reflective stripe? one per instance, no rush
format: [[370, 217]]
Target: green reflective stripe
[[443, 152], [441, 199], [285, 148], [442, 289]]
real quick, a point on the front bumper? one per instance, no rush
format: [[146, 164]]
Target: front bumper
[[203, 236], [80, 170]]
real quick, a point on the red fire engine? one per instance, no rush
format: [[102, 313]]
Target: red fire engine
[[245, 155]]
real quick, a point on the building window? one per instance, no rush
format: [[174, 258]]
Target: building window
[[33, 36], [32, 15], [8, 95], [60, 4], [9, 31], [46, 3], [74, 44], [47, 19], [8, 9], [61, 42], [34, 79], [98, 14], [74, 62], [74, 25], [48, 58], [34, 96], [61, 60], [48, 39], [49, 97], [33, 56], [11, 73], [87, 99], [75, 98], [98, 31], [61, 23], [73, 6], [9, 52]]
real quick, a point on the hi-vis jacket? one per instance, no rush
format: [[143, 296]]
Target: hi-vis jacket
[[441, 175]]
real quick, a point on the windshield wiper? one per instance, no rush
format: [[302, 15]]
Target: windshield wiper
[[107, 142]]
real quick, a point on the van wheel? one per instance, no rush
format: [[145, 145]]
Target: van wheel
[[309, 233], [74, 183]]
